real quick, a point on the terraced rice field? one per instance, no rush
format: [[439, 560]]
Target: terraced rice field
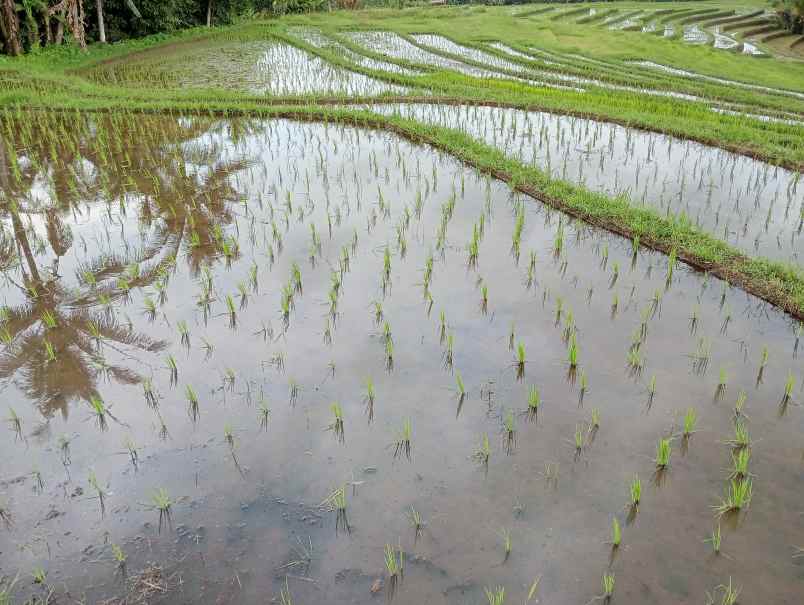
[[375, 305]]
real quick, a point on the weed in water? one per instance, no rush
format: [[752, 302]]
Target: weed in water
[[402, 443]]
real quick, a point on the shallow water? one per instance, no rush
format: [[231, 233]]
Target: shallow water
[[257, 67], [752, 205], [114, 211]]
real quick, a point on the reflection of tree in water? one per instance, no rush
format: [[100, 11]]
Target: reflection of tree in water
[[55, 168]]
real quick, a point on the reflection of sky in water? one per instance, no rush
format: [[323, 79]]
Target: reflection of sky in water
[[750, 204]]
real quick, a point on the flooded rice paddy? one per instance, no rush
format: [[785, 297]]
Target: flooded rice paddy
[[258, 67], [247, 360], [754, 206]]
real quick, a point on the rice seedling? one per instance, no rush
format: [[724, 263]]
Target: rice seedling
[[724, 327], [534, 400], [7, 590], [663, 451], [163, 503], [231, 311], [651, 390], [787, 395], [415, 519], [739, 461], [395, 567], [763, 361], [368, 399], [509, 433], [572, 355], [520, 361], [615, 274], [551, 474], [99, 411], [378, 315], [701, 356], [533, 588], [173, 369], [296, 278], [721, 385], [615, 305], [635, 362], [449, 351], [149, 393], [505, 534], [15, 422], [264, 413], [483, 452], [616, 534], [293, 388], [584, 386], [336, 426], [578, 441], [389, 355], [5, 517], [608, 587], [328, 333], [714, 539], [729, 596], [39, 575], [741, 439], [442, 327], [671, 265], [132, 450], [336, 501], [495, 596], [402, 443], [228, 435], [739, 406], [635, 491], [484, 299], [184, 332], [119, 558], [285, 597], [738, 496], [63, 443], [99, 491], [690, 422], [50, 352], [695, 318], [595, 422]]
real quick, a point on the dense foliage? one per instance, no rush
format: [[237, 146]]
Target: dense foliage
[[791, 13]]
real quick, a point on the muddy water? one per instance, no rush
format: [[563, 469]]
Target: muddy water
[[172, 196], [756, 207]]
